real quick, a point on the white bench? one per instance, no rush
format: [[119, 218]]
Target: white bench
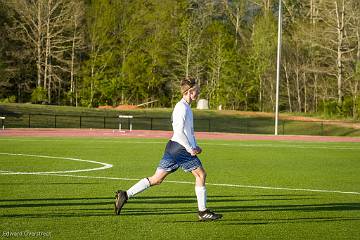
[[125, 117], [2, 122]]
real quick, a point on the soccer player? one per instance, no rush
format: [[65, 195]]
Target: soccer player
[[181, 151]]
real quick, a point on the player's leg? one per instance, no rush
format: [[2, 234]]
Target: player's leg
[[166, 166], [145, 183], [204, 213], [200, 188], [158, 177], [122, 197]]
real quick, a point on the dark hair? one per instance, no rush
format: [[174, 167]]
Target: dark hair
[[187, 83]]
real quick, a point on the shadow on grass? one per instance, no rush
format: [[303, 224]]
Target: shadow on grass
[[49, 183], [48, 202], [49, 199], [175, 205], [294, 207], [259, 221]]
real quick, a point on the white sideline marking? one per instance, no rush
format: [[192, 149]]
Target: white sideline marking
[[104, 165], [211, 184], [284, 146]]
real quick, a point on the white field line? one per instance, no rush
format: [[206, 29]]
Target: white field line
[[230, 144], [104, 165], [283, 146], [192, 183]]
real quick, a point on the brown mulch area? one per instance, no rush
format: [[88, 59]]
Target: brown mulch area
[[120, 107]]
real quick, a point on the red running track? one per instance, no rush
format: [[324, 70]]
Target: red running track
[[59, 132]]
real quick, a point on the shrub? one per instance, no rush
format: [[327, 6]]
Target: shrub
[[357, 108], [329, 107], [347, 107], [11, 99], [38, 95]]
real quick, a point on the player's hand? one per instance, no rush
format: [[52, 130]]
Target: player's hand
[[193, 152], [198, 150]]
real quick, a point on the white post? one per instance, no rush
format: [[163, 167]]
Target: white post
[[129, 120], [278, 68], [2, 122]]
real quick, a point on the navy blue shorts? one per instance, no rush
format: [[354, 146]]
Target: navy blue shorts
[[176, 156]]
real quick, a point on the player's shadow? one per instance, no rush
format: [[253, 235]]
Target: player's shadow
[[56, 207], [49, 183], [294, 207], [41, 203], [237, 204], [288, 209], [267, 221], [171, 205]]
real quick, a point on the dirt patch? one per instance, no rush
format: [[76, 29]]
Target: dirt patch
[[126, 107], [105, 107]]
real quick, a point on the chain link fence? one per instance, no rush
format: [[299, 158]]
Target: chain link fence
[[246, 125]]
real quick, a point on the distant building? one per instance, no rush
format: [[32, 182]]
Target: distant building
[[202, 104]]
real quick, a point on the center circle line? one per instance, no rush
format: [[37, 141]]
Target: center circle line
[[104, 165]]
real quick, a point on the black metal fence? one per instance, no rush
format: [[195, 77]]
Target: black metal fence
[[244, 125]]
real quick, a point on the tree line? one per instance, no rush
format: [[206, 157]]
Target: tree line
[[112, 52]]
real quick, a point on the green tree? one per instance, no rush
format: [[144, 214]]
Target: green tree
[[101, 35], [262, 58], [219, 59]]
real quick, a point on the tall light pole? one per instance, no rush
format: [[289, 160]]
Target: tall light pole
[[278, 67]]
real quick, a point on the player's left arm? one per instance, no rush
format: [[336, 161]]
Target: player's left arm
[[197, 149], [192, 141]]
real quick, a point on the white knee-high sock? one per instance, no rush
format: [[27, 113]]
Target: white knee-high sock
[[138, 187], [201, 197]]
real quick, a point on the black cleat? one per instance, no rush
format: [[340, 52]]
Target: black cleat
[[120, 199], [208, 215]]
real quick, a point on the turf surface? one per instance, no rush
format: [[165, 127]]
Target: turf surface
[[73, 207]]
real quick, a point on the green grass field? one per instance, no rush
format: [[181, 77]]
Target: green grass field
[[79, 205]]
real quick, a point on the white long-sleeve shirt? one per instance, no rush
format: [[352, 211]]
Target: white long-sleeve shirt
[[183, 125]]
